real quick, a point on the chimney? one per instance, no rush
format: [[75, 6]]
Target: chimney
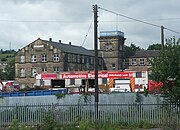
[[59, 41], [69, 43], [50, 39]]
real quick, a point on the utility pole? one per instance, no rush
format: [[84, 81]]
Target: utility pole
[[95, 9], [162, 37]]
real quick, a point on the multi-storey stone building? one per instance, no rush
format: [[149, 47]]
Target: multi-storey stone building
[[42, 56]]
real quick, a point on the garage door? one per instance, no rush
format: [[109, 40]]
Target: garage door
[[122, 84]]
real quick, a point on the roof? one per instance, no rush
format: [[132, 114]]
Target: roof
[[142, 53], [70, 48]]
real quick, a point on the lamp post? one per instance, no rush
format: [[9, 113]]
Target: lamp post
[[171, 80]]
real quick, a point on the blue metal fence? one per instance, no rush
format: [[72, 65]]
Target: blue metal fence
[[33, 93]]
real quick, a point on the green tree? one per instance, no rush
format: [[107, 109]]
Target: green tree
[[154, 47], [132, 47], [4, 59], [9, 73], [165, 69]]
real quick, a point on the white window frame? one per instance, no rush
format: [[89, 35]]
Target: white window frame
[[133, 61], [33, 58], [56, 57], [141, 61], [44, 69], [22, 58], [108, 46], [149, 61], [126, 61], [78, 58], [44, 58], [22, 72], [113, 65], [82, 59], [56, 69], [33, 72]]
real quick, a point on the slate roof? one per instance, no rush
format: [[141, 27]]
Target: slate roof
[[142, 53], [70, 48]]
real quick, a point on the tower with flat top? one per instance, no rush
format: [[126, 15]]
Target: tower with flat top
[[112, 49]]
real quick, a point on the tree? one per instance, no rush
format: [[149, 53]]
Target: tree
[[165, 69], [9, 73], [154, 47], [132, 47]]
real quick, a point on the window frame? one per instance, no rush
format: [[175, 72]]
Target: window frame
[[56, 57], [22, 59], [133, 61], [33, 58], [33, 72], [56, 69], [22, 72], [43, 57], [44, 69], [142, 61]]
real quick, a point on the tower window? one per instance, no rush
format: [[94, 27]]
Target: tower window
[[113, 65], [108, 46]]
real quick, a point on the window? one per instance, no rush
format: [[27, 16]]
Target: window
[[56, 57], [138, 75], [108, 46], [56, 69], [22, 58], [99, 61], [44, 58], [133, 61], [78, 58], [141, 62], [69, 57], [120, 47], [92, 61], [126, 61], [113, 65], [33, 58], [104, 81], [22, 72], [82, 60], [75, 58], [33, 72], [149, 60], [44, 69]]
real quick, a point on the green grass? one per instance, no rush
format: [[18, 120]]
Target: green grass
[[9, 57]]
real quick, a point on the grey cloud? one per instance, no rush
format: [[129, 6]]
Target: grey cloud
[[69, 20]]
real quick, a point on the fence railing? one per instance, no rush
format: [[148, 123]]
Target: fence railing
[[74, 114]]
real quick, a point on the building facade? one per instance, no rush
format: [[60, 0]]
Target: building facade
[[47, 56], [42, 56]]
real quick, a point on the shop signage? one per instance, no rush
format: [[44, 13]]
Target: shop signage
[[48, 76], [74, 76], [100, 75], [120, 75]]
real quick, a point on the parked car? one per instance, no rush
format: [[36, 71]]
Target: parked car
[[10, 86]]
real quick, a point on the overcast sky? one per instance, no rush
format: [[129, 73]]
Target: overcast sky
[[23, 21]]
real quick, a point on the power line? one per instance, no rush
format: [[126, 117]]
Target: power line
[[130, 17], [171, 30], [87, 33], [141, 21], [41, 21]]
